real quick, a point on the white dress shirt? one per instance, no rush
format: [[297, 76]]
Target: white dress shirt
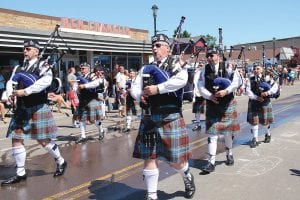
[[251, 95]]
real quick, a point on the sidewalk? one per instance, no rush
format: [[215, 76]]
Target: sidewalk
[[270, 171]]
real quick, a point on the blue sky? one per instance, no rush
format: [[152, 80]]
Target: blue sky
[[241, 21]]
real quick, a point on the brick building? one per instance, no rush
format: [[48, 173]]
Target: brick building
[[90, 41]]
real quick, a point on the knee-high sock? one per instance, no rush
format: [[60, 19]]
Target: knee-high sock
[[99, 125], [151, 179], [19, 154], [267, 129], [228, 143], [103, 108], [212, 148], [184, 172], [82, 129], [254, 131], [128, 121], [52, 148], [197, 116]]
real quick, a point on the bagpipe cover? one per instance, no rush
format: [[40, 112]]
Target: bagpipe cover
[[264, 86], [221, 83]]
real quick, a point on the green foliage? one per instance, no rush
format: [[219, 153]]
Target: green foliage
[[210, 40], [184, 34]]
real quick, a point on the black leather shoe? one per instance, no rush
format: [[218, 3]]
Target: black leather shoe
[[253, 143], [229, 160], [190, 188], [208, 168], [60, 169], [196, 128], [126, 130], [80, 140], [267, 138], [14, 179]]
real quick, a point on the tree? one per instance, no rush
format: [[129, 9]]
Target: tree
[[210, 40], [184, 34]]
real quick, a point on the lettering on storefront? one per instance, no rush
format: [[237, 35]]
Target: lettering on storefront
[[68, 23]]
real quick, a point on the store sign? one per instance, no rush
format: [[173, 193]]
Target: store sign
[[67, 23]]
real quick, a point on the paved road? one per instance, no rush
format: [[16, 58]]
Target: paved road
[[105, 170]]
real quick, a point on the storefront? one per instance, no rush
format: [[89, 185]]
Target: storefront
[[90, 41]]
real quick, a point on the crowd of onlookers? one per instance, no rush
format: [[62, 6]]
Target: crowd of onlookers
[[114, 95]]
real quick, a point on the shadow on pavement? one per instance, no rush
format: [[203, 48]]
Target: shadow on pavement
[[295, 172]]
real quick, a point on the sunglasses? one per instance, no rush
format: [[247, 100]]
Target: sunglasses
[[157, 45], [27, 48], [210, 55]]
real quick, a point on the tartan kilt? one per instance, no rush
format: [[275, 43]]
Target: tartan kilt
[[222, 119], [132, 107], [198, 105], [171, 141], [37, 123], [91, 112], [259, 114]]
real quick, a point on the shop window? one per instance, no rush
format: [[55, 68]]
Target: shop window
[[134, 63]]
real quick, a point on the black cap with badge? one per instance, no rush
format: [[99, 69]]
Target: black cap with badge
[[211, 51], [31, 43], [160, 38]]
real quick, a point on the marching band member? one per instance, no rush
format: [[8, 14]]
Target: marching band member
[[132, 107], [163, 134], [89, 108], [33, 118], [199, 101], [221, 111], [259, 90], [102, 90]]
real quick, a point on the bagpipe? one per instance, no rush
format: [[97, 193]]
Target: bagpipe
[[23, 78], [90, 78], [265, 86]]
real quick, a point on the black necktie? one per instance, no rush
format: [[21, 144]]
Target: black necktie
[[213, 69], [26, 64], [158, 63]]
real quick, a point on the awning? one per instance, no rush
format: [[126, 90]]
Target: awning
[[286, 53]]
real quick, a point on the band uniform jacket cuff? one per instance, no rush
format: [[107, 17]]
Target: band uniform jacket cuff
[[27, 92]]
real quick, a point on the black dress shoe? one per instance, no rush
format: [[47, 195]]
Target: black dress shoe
[[229, 160], [60, 169], [189, 187], [14, 179], [253, 143], [80, 140], [196, 128], [126, 130], [267, 138], [208, 168]]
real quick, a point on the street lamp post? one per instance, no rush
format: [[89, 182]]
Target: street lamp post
[[274, 51], [154, 10]]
